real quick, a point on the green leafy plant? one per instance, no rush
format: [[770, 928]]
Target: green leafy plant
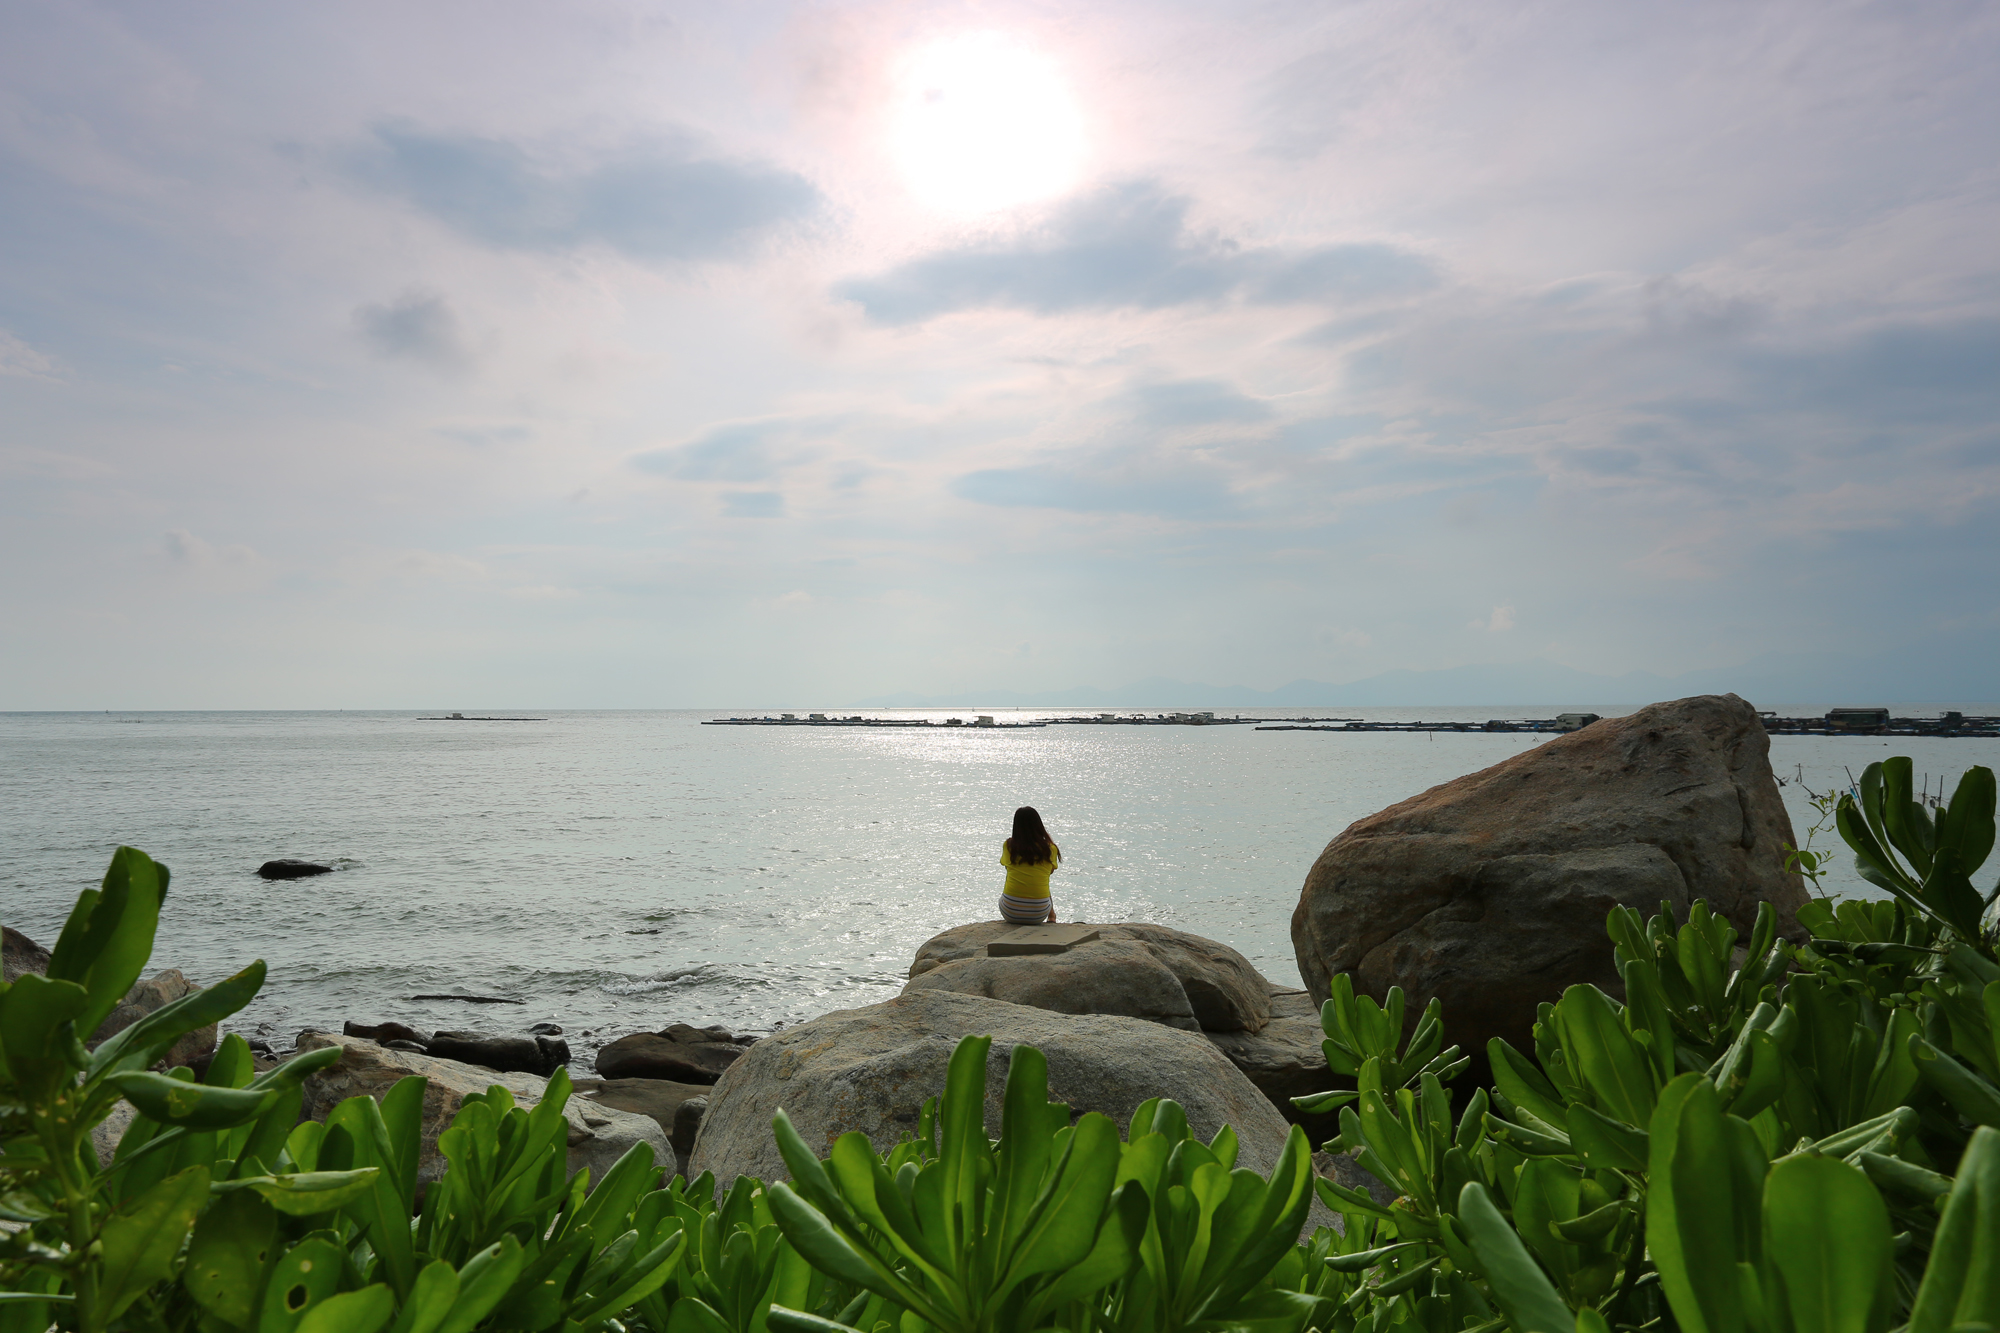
[[220, 1210], [1923, 856]]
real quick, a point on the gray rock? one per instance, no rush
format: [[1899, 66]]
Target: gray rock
[[661, 1099], [522, 1055], [871, 1069], [598, 1134], [19, 954], [687, 1125], [1285, 1060], [104, 1137], [1491, 891], [193, 1049], [1134, 969]]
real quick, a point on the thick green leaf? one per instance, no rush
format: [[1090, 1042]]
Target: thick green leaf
[[232, 1246], [1517, 1078], [1520, 1287], [191, 1105], [798, 1321], [118, 938], [1606, 1144], [361, 1311], [644, 1277], [141, 1241], [431, 1298], [1613, 1066], [304, 1193], [37, 1018], [303, 1276], [1970, 1095], [1691, 1207], [826, 1249], [1961, 1286], [482, 1283], [1826, 1232]]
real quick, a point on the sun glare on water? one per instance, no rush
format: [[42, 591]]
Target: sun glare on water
[[984, 122]]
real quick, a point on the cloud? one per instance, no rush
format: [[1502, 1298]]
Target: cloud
[[1128, 245], [660, 201], [1130, 481], [737, 451], [18, 359], [753, 504], [1499, 622], [1201, 402], [417, 326]]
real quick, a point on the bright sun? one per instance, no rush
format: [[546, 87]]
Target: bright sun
[[983, 123]]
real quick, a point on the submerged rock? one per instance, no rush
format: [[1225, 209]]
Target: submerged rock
[[1491, 891], [287, 868]]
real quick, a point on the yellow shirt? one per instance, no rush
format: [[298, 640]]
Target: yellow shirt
[[1029, 881]]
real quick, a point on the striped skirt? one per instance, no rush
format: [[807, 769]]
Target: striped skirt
[[1025, 911]]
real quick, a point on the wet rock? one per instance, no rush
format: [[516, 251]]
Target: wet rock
[[525, 1055], [1491, 891], [1135, 969], [547, 1029], [681, 1053], [287, 868], [598, 1134], [386, 1032]]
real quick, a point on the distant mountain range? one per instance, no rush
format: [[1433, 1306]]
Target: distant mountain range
[[1775, 682]]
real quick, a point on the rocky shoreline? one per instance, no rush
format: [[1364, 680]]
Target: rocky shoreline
[[1490, 891]]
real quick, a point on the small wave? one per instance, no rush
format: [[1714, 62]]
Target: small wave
[[699, 977]]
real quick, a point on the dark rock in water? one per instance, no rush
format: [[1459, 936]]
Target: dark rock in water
[[1490, 891], [398, 1044], [287, 868], [687, 1126], [385, 1032], [19, 954], [547, 1029], [509, 1055], [681, 1053]]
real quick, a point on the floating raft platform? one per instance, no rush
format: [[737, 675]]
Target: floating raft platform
[[1565, 723], [1838, 722], [982, 723]]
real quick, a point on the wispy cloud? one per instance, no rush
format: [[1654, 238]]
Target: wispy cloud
[[419, 326], [1129, 245], [659, 201]]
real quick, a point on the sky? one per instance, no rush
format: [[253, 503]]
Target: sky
[[678, 355]]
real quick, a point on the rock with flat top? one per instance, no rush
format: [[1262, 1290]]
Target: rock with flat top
[[1133, 969], [1491, 891], [524, 1055], [598, 1134]]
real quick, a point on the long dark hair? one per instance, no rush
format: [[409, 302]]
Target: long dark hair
[[1030, 845]]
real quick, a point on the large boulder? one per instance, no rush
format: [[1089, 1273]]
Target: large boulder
[[1491, 891], [677, 1052], [1134, 969], [291, 868], [598, 1134], [871, 1069]]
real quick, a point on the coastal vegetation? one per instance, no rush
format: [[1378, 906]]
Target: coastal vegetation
[[1782, 1137]]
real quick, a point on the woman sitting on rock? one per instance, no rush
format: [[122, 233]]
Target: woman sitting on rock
[[1030, 856]]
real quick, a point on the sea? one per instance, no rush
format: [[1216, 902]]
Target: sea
[[614, 872]]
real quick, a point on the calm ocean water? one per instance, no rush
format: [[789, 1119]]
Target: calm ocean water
[[618, 871]]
